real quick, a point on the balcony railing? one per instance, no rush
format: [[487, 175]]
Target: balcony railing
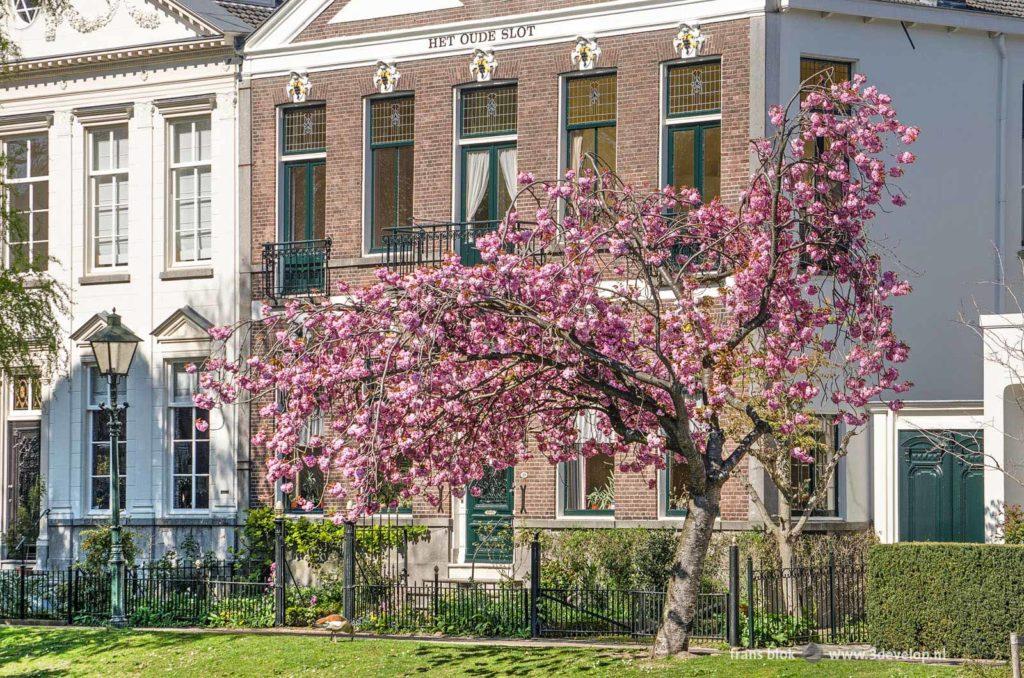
[[429, 242], [297, 268]]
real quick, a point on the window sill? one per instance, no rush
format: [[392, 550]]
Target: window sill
[[104, 279], [187, 273]]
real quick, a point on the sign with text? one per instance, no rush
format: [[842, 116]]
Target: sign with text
[[491, 35]]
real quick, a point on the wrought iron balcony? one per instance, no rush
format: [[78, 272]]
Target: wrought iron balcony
[[430, 242], [298, 268]]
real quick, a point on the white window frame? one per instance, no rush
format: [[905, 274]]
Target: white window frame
[[119, 231], [31, 181], [174, 404], [91, 376], [197, 166]]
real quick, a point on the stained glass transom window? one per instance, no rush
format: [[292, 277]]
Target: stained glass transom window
[[695, 88]]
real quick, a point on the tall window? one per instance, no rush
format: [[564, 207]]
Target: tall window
[[823, 73], [391, 166], [190, 447], [590, 121], [99, 442], [808, 477], [310, 482], [191, 186], [304, 144], [693, 107], [108, 196], [28, 192], [588, 483], [488, 124]]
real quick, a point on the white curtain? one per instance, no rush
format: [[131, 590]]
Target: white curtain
[[577, 151], [509, 172], [477, 165]]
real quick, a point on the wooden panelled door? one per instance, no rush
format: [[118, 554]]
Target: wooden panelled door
[[489, 519], [942, 495]]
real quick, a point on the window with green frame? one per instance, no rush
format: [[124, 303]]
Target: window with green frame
[[488, 165], [695, 157], [675, 489], [694, 148], [693, 89], [303, 144], [391, 166], [588, 485], [590, 114]]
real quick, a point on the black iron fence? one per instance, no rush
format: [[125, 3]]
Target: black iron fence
[[154, 596], [766, 608], [811, 603], [428, 243], [296, 268]]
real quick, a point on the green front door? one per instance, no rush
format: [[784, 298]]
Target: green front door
[[942, 495], [488, 183], [489, 519]]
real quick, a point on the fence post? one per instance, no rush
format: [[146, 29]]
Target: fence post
[[71, 595], [832, 597], [750, 602], [350, 571], [437, 585], [21, 592], [534, 585], [279, 565], [733, 619]]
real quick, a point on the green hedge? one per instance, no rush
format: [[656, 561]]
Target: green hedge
[[961, 598]]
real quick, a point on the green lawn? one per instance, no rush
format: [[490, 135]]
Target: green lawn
[[77, 652]]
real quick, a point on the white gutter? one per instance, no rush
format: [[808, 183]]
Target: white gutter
[[1000, 235]]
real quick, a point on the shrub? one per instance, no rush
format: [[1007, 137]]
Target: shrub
[[961, 598], [633, 558], [1013, 524], [776, 630], [319, 542], [96, 547]]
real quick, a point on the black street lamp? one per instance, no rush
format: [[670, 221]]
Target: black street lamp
[[114, 347]]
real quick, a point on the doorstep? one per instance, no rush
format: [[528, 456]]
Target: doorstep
[[480, 572]]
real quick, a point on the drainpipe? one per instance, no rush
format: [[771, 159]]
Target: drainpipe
[[1000, 43]]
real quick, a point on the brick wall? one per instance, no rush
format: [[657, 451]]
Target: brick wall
[[637, 59]]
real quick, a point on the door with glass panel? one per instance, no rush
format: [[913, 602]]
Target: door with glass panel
[[488, 187], [302, 265]]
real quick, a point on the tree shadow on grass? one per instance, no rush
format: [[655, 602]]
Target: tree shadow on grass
[[26, 643], [483, 660]]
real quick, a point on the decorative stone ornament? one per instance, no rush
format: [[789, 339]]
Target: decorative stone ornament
[[585, 53], [483, 64], [689, 40], [298, 88], [386, 77]]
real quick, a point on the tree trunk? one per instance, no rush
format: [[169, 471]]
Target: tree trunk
[[684, 585], [787, 580]]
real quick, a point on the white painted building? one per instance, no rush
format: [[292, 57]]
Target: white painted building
[[128, 113], [956, 71]]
